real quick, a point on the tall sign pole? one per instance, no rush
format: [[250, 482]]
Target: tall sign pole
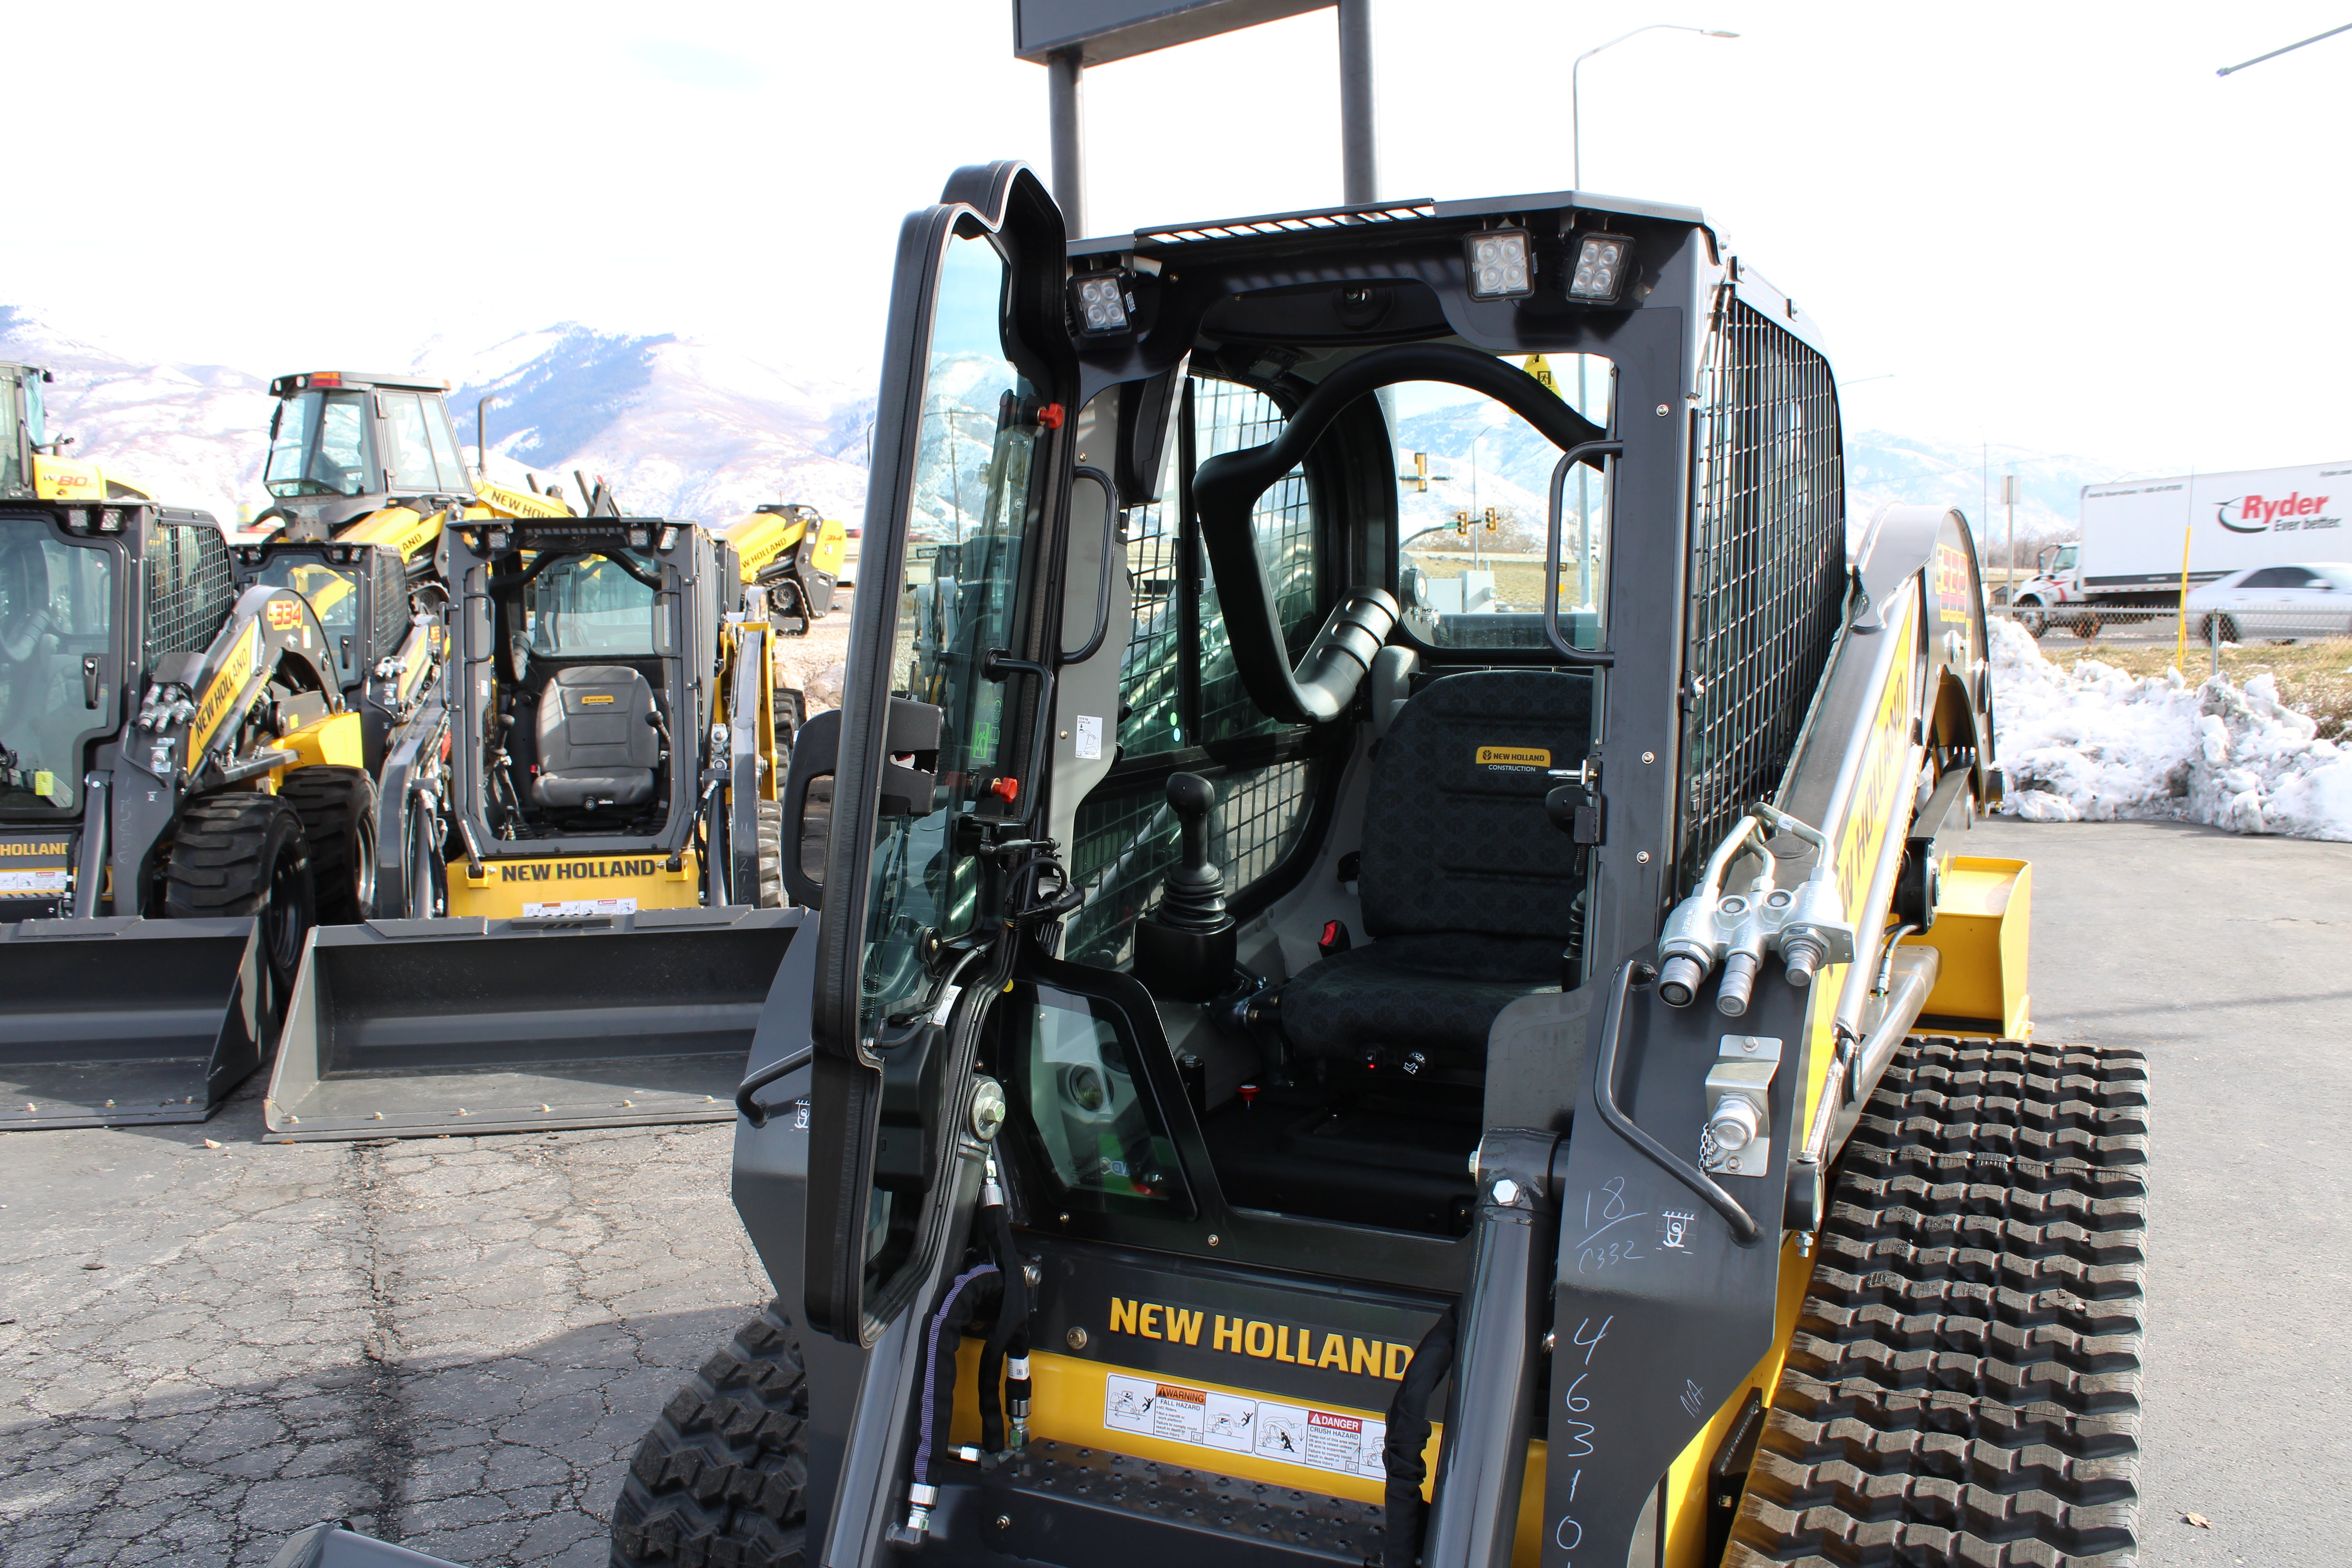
[[1046, 33]]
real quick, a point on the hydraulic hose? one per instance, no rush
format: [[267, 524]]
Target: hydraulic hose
[[1407, 1516]]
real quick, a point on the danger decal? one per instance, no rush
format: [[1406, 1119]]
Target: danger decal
[[1329, 1440]]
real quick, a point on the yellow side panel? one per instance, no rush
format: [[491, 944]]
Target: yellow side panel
[[220, 698], [519, 503], [405, 531], [1685, 1543], [62, 479], [1983, 930], [509, 885], [831, 545], [760, 539], [333, 741]]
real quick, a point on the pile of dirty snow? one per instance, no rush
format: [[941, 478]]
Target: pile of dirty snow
[[2100, 744]]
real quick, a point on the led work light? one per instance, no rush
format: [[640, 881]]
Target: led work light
[[1601, 263], [1502, 264], [1100, 302]]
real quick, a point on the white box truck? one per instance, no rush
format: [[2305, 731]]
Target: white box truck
[[2134, 533]]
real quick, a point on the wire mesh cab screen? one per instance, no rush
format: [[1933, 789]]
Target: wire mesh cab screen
[[1768, 551], [189, 589]]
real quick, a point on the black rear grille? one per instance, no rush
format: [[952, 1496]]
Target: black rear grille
[[189, 593], [1767, 571], [391, 595]]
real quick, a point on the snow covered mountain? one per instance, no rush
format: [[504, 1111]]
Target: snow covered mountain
[[689, 428], [679, 428], [190, 435]]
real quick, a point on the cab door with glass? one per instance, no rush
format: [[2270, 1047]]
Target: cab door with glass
[[941, 733]]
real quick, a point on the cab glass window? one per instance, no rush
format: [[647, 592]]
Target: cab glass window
[[320, 445], [592, 605], [1473, 496], [334, 595], [57, 610], [411, 455], [1090, 1103], [957, 602]]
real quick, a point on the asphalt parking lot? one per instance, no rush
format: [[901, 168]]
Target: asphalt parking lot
[[457, 1343], [454, 1342]]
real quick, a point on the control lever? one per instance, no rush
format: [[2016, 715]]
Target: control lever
[[1184, 949]]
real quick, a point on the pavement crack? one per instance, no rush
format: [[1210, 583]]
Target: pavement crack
[[385, 1422]]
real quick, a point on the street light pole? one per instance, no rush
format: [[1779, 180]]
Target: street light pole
[[1575, 105]]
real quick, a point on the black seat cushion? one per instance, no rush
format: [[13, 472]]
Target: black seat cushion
[[595, 745], [1435, 994], [1469, 890]]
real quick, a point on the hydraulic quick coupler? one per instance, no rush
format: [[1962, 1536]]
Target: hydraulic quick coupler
[[1805, 924]]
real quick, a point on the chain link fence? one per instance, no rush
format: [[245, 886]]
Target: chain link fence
[[2307, 650]]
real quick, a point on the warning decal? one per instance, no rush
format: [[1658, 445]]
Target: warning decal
[[41, 881], [1295, 1433], [565, 908]]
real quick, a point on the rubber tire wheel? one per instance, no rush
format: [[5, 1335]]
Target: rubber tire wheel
[[2229, 628], [338, 810], [770, 814], [722, 1477], [1964, 1382], [2084, 626], [246, 854], [792, 712], [2033, 617]]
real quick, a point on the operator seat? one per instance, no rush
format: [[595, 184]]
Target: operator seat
[[595, 747], [1469, 891]]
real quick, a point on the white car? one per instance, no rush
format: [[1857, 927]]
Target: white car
[[2311, 601]]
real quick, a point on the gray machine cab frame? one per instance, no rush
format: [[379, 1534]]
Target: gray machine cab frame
[[1388, 288], [690, 572]]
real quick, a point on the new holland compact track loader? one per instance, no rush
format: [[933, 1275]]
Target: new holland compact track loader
[[612, 873], [1289, 1075], [181, 789]]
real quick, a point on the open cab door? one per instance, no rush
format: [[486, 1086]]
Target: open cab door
[[933, 859]]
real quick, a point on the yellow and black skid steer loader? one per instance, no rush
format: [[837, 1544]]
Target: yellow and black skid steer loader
[[611, 876], [179, 773], [1287, 1074]]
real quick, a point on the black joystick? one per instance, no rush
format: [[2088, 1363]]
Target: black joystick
[[1184, 947]]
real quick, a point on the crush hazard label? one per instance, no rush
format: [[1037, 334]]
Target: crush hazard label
[[1332, 1440]]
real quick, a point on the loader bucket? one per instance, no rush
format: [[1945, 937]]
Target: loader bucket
[[118, 1020], [412, 1028]]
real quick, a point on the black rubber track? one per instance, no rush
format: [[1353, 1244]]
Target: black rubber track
[[1964, 1383], [721, 1479], [338, 810], [770, 816]]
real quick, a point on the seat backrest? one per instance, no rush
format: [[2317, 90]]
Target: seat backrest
[[1455, 836], [591, 719]]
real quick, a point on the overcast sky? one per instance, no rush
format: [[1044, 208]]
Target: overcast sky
[[2049, 225]]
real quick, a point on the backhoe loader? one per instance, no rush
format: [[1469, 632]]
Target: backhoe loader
[[610, 879], [181, 786], [1287, 1076]]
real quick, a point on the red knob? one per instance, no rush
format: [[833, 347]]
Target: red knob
[[1050, 417], [1007, 788], [1248, 1092]]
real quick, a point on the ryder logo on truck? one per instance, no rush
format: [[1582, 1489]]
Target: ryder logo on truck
[[2275, 514]]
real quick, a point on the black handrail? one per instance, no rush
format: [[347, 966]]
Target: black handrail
[[1555, 527], [1604, 1094], [750, 1109]]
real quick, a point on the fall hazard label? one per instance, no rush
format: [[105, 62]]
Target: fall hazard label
[[1299, 1435]]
